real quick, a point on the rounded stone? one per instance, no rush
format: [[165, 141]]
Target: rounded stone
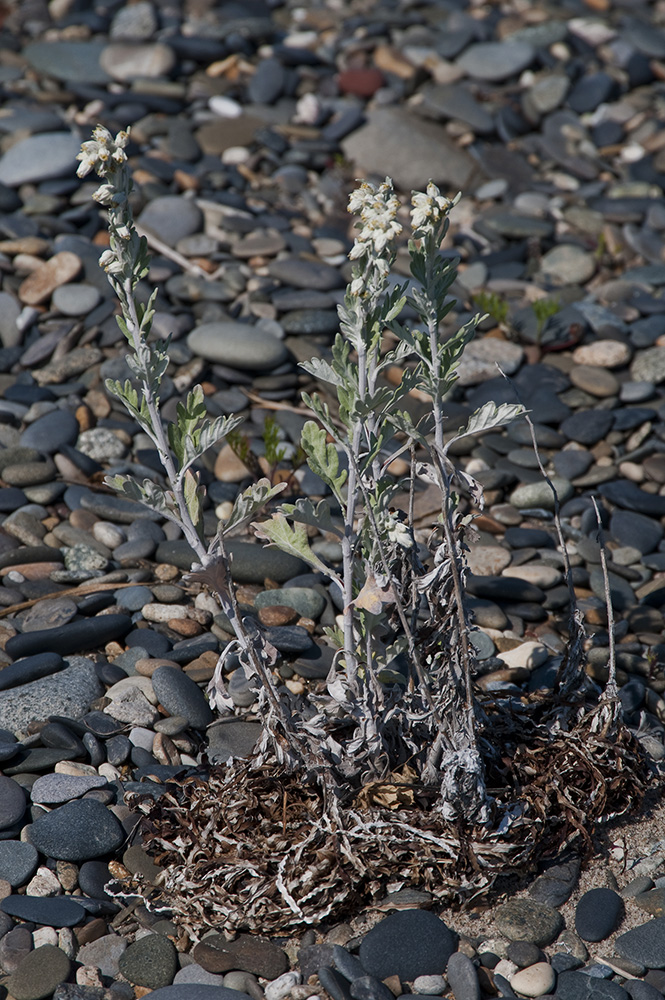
[[39, 973], [18, 862], [180, 695], [539, 494], [603, 354], [39, 158], [171, 218], [238, 345], [525, 920], [535, 980], [75, 299], [567, 264], [598, 914], [409, 943], [151, 961], [495, 61], [78, 831], [12, 802]]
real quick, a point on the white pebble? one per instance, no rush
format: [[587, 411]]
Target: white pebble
[[506, 968], [44, 935], [67, 942], [44, 883], [282, 986], [225, 107], [163, 612], [430, 985], [108, 534], [534, 981]]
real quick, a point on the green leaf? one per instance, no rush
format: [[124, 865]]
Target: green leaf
[[320, 369], [250, 501], [318, 516], [322, 457], [293, 540], [487, 418]]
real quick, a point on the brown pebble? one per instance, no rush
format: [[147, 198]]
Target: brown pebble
[[98, 403], [200, 672], [185, 627], [83, 519], [165, 572], [308, 624], [514, 675], [165, 749], [68, 875], [246, 593], [33, 571], [361, 82], [277, 614], [146, 666], [42, 282], [85, 418], [91, 931], [5, 888]]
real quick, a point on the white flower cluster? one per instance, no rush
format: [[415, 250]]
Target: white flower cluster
[[429, 208], [102, 153], [377, 207]]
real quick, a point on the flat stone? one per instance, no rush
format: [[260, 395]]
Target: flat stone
[[233, 738], [462, 977], [535, 980], [104, 953], [598, 914], [150, 961], [395, 136], [53, 789], [407, 944], [603, 354], [238, 345], [307, 602], [49, 433], [81, 830], [303, 273], [69, 692], [480, 358], [86, 633], [77, 62], [54, 911], [180, 695], [171, 218], [197, 991], [527, 920], [40, 284], [125, 61], [18, 862], [39, 158], [246, 953], [648, 366], [578, 986], [40, 972], [644, 944], [496, 61], [539, 494], [567, 264]]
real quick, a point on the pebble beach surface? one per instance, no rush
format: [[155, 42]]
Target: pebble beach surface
[[249, 122]]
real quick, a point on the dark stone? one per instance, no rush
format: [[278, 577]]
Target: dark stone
[[645, 944], [587, 426], [462, 977], [631, 497], [577, 986], [636, 530], [246, 953], [18, 862], [180, 695], [30, 668], [12, 802], [78, 831], [408, 944], [86, 633], [54, 911], [598, 914], [150, 961]]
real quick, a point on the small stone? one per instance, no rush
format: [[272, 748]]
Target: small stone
[[568, 264], [78, 831], [644, 944], [238, 345], [598, 914], [181, 696], [42, 282], [125, 61], [462, 977], [496, 61], [246, 953], [150, 961], [535, 980], [603, 354], [430, 985], [526, 920]]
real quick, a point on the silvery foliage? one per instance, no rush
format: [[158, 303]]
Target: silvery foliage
[[184, 441], [383, 582]]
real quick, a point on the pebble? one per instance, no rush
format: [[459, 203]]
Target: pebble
[[238, 345], [407, 944], [598, 914], [78, 831]]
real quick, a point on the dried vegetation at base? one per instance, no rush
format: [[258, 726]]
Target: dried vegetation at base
[[254, 848]]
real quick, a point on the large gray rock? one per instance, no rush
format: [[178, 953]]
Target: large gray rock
[[415, 150], [39, 158], [69, 693]]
